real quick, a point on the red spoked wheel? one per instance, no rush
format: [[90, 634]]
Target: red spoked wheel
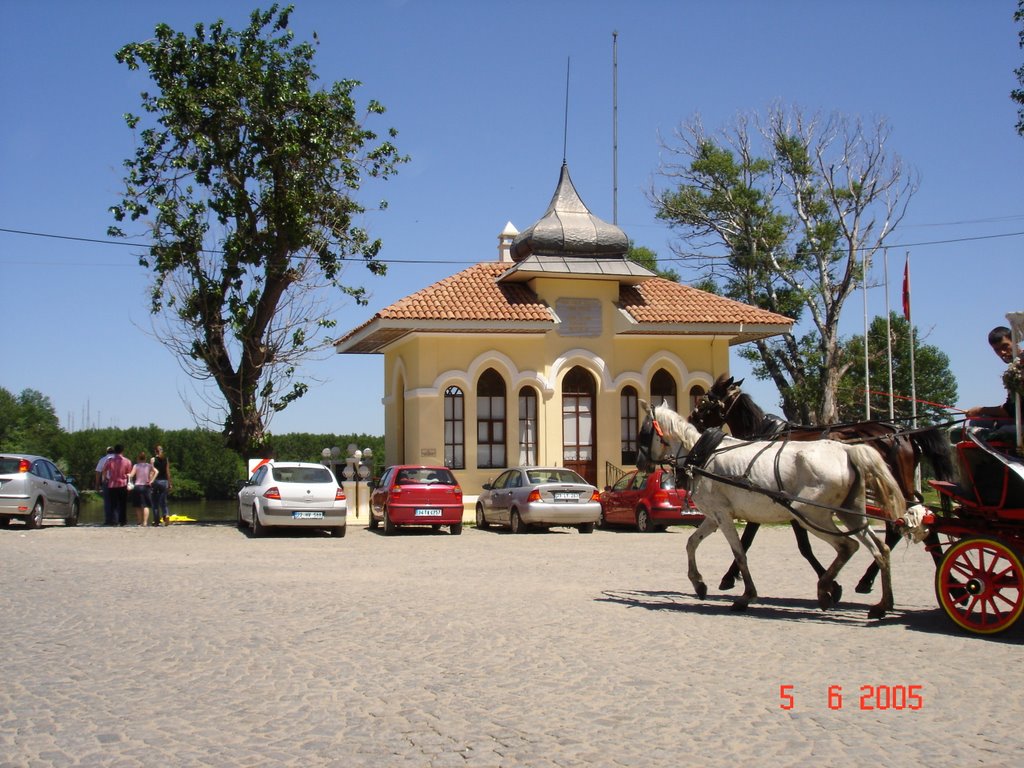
[[980, 585]]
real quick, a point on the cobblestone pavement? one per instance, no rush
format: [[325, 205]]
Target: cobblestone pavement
[[199, 646]]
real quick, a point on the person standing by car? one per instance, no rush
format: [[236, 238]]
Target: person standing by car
[[143, 474], [101, 486], [115, 472], [161, 487]]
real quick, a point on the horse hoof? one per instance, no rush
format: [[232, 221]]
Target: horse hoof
[[738, 606], [702, 590], [728, 582], [876, 612], [837, 594], [864, 586]]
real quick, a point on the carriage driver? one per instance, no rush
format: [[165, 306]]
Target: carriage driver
[[1001, 342]]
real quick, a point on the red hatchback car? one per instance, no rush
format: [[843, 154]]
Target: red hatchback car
[[416, 495], [648, 501]]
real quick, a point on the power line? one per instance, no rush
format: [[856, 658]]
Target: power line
[[52, 236]]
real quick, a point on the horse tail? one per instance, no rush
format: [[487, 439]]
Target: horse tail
[[877, 478], [934, 445]]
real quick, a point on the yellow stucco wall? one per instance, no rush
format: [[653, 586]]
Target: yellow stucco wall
[[419, 368]]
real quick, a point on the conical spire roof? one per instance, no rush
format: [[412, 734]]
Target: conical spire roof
[[568, 228]]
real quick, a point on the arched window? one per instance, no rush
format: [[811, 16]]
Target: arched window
[[527, 427], [490, 420], [629, 424], [663, 389], [454, 429], [697, 393]]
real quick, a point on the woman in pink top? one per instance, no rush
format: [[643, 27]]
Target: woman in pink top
[[143, 473]]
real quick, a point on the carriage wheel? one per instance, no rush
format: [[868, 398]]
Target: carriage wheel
[[980, 585]]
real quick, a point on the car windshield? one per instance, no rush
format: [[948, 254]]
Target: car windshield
[[538, 476], [426, 476], [301, 475]]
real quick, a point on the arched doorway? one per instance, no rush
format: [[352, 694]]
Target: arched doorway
[[579, 419]]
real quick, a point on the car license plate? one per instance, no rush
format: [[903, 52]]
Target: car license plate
[[566, 496], [429, 512], [307, 515]]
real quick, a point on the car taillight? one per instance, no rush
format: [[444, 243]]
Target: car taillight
[[660, 497], [595, 496], [396, 490], [534, 496], [457, 490], [339, 495], [24, 465], [272, 493]]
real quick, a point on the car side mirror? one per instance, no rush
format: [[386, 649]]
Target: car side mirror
[[607, 487], [371, 484], [486, 486]]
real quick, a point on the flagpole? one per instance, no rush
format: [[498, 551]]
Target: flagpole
[[913, 377], [867, 370], [888, 336], [910, 330]]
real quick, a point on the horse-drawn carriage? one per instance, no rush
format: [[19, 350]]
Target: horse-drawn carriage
[[975, 536]]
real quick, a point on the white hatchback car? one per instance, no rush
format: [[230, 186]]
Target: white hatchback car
[[294, 494]]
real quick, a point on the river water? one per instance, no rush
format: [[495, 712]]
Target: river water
[[200, 511]]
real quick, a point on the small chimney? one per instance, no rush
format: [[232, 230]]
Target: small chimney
[[508, 234]]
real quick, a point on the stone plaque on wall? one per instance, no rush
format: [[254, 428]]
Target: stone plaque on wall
[[580, 317]]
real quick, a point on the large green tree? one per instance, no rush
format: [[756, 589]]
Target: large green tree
[[934, 382], [28, 423], [246, 174], [783, 212]]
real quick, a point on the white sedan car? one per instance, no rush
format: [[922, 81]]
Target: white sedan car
[[292, 494]]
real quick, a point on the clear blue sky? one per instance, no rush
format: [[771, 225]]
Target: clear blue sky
[[477, 92]]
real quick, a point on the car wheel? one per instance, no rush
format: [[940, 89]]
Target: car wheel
[[259, 530], [338, 531], [516, 523], [5, 521], [602, 521], [72, 519], [35, 519], [481, 519], [643, 520], [456, 529], [390, 529], [240, 522], [586, 527]]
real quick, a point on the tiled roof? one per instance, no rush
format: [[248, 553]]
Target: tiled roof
[[473, 301], [663, 301], [471, 294]]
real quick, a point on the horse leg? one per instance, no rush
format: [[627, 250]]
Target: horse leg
[[740, 558], [704, 530], [827, 586], [867, 581], [880, 552], [803, 545], [729, 579]]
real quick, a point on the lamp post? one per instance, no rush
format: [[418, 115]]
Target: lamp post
[[358, 466]]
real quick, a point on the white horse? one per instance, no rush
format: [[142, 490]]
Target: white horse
[[819, 481]]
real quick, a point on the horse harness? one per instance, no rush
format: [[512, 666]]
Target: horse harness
[[708, 444]]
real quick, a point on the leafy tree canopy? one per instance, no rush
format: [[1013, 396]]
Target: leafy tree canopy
[[785, 212], [934, 382], [245, 174]]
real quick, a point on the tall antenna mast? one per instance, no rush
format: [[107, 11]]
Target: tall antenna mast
[[565, 130], [615, 128]]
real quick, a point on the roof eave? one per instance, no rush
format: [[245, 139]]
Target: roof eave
[[389, 330]]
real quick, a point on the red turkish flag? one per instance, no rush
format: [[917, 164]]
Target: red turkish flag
[[906, 290]]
